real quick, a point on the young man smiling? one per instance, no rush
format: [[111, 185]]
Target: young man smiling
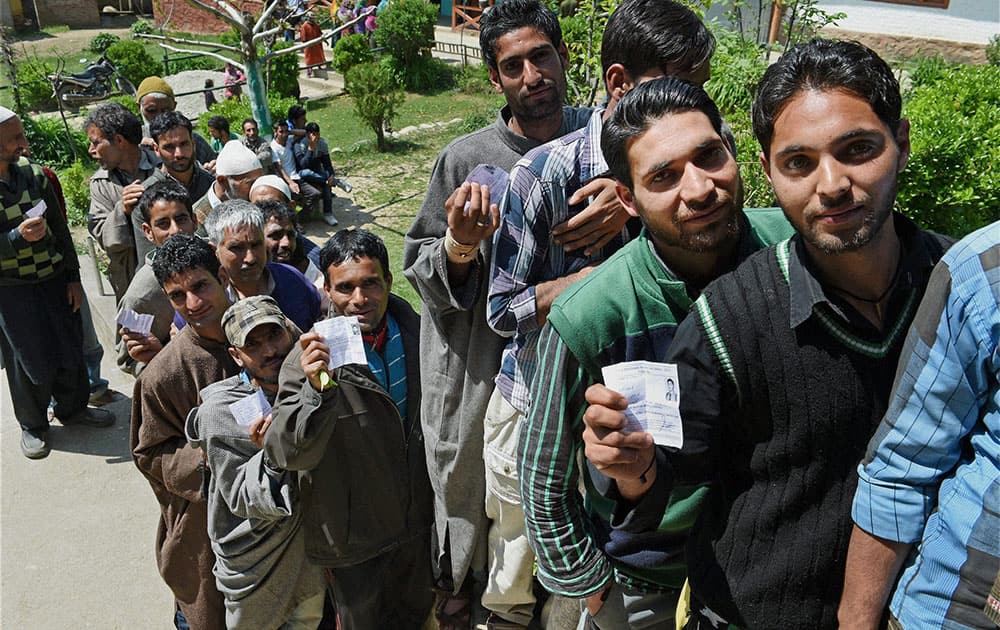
[[189, 273], [785, 365], [676, 171], [355, 432], [164, 210]]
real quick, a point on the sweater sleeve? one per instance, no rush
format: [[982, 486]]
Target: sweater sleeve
[[424, 262], [570, 561]]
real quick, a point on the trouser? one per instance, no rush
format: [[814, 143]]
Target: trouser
[[306, 615], [92, 350], [392, 590], [66, 382], [629, 609], [314, 189], [510, 561]]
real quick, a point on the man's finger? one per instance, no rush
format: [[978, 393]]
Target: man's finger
[[600, 394]]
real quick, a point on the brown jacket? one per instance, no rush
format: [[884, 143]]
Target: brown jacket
[[164, 394]]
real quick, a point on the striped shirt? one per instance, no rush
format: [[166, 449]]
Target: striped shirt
[[524, 253], [931, 475]]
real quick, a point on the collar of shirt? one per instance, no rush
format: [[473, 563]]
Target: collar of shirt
[[806, 290]]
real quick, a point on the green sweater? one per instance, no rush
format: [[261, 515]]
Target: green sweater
[[626, 310]]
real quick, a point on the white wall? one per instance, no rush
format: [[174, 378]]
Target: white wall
[[972, 21]]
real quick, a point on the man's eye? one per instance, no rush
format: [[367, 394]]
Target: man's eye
[[797, 163]]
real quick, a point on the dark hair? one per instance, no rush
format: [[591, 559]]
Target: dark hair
[[209, 83], [350, 245], [511, 15], [113, 119], [295, 111], [643, 106], [246, 120], [281, 123], [167, 121], [181, 253], [825, 65], [312, 127], [166, 190], [274, 209], [218, 122], [644, 34]]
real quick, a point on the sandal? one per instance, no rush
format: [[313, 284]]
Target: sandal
[[458, 619]]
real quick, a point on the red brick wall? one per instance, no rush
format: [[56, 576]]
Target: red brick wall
[[69, 12], [185, 16]]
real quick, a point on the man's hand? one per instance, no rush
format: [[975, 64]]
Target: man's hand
[[294, 187], [315, 358], [598, 223], [258, 428], [209, 166], [32, 229], [624, 457], [130, 196], [74, 295], [480, 221], [596, 601], [141, 348]]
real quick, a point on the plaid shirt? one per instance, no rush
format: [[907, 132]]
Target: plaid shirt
[[524, 253], [931, 476]]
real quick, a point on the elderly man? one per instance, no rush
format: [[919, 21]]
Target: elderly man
[[155, 96], [41, 335], [236, 228], [236, 169], [115, 135]]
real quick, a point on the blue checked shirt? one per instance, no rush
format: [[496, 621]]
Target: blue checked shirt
[[524, 253], [932, 473]]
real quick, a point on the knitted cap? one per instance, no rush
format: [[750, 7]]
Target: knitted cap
[[153, 85], [274, 182], [242, 317], [236, 159]]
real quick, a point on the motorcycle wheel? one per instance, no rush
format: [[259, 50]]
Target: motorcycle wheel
[[125, 86]]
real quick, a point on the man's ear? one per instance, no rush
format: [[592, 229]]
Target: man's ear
[[223, 276], [617, 81], [903, 142], [236, 355], [147, 231], [495, 80], [766, 165], [388, 281], [563, 55], [626, 198]]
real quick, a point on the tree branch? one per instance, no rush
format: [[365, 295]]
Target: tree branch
[[178, 40], [324, 35], [264, 16], [206, 52]]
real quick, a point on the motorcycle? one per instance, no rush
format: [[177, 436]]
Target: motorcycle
[[93, 84]]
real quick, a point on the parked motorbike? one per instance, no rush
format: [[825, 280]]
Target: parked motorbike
[[93, 84]]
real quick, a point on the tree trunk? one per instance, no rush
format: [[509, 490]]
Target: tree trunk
[[258, 96]]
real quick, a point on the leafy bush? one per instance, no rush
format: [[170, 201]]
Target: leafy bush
[[102, 41], [75, 180], [141, 27], [33, 83], [235, 111], [133, 61], [406, 30], [126, 101], [350, 51], [474, 79], [737, 66], [201, 62], [376, 97], [952, 181], [283, 73], [993, 51], [424, 74], [49, 144]]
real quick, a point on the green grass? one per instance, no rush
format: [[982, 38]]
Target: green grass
[[342, 128], [55, 28]]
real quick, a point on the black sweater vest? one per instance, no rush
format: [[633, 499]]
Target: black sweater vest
[[800, 408]]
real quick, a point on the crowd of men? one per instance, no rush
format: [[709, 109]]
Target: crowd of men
[[476, 456]]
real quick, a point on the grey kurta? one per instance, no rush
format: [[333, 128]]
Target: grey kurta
[[459, 353]]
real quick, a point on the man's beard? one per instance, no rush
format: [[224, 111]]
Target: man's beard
[[871, 225]]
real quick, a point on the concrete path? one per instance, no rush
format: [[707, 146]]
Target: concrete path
[[77, 529]]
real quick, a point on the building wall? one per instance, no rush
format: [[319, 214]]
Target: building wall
[[78, 13], [181, 15], [966, 21]]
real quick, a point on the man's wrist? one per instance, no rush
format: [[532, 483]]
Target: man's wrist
[[459, 253]]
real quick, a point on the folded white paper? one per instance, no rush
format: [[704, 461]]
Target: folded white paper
[[654, 396]]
